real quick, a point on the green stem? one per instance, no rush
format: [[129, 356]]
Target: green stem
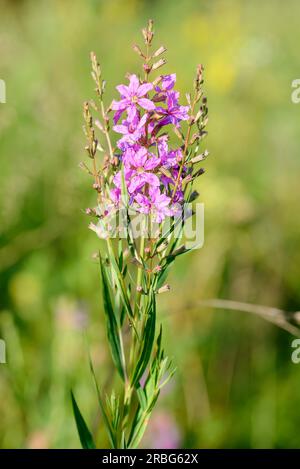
[[139, 279]]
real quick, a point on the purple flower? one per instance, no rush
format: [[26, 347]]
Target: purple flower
[[144, 154], [169, 159], [138, 169], [132, 131], [157, 204], [167, 82], [115, 195], [174, 113], [131, 96], [141, 167]]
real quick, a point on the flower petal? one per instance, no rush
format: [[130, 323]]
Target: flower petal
[[146, 104], [121, 129], [136, 183], [152, 163], [119, 105], [150, 178], [123, 90], [144, 89], [134, 84], [168, 82]]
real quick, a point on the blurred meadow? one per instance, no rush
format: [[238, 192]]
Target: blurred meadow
[[236, 385]]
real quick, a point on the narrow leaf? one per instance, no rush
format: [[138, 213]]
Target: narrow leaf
[[148, 340], [84, 433], [119, 279], [111, 323], [102, 408]]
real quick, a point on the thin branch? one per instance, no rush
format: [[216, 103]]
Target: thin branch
[[274, 315]]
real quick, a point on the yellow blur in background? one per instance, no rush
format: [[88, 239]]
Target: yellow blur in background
[[236, 385]]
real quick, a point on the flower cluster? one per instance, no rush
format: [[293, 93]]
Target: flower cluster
[[150, 168], [143, 173]]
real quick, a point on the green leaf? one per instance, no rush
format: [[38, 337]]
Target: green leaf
[[85, 435], [123, 441], [119, 278], [113, 333], [148, 340], [160, 280], [142, 397], [108, 427]]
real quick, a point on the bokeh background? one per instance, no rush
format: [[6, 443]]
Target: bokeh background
[[236, 385]]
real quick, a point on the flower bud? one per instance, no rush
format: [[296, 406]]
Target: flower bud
[[194, 195], [162, 246], [159, 64], [99, 125], [164, 289], [137, 49], [200, 157], [97, 187], [159, 51]]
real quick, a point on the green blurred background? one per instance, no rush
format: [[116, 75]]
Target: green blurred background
[[236, 385]]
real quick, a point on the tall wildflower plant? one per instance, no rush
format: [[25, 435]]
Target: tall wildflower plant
[[143, 183]]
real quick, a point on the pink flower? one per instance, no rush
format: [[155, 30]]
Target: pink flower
[[150, 167], [157, 204], [174, 113], [131, 96], [167, 82], [132, 131], [169, 159], [141, 167]]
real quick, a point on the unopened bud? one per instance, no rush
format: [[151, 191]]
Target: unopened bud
[[194, 195], [164, 289], [157, 80], [97, 187], [147, 68], [159, 51], [199, 172], [159, 64], [99, 125], [200, 157], [162, 246], [198, 115], [137, 49], [136, 262], [115, 161]]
